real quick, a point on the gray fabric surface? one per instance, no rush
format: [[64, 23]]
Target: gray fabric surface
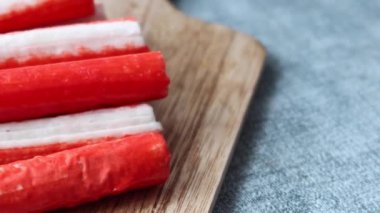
[[311, 140]]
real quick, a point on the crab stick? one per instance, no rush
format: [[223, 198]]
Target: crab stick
[[71, 42], [25, 14], [52, 89], [76, 176], [24, 140]]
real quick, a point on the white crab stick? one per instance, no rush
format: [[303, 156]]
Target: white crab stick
[[71, 42], [22, 140]]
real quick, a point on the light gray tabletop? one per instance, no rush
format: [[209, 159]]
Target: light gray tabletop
[[311, 140]]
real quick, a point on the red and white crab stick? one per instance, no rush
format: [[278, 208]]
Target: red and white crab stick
[[24, 140], [26, 14], [72, 177], [52, 89], [71, 42]]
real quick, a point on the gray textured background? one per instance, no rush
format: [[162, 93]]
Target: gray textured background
[[311, 141]]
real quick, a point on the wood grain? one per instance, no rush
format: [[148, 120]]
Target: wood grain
[[214, 72]]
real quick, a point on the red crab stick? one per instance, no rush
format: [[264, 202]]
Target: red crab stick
[[71, 42], [24, 14], [84, 174], [23, 140], [38, 91]]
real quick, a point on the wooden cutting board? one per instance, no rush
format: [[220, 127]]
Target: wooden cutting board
[[214, 72]]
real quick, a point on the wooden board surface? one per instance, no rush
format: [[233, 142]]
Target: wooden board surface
[[214, 72]]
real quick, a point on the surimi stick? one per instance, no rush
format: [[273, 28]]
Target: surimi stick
[[24, 14], [71, 42], [38, 91], [24, 140], [87, 173]]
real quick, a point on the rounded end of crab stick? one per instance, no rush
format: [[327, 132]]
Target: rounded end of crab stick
[[20, 15], [84, 174], [52, 89]]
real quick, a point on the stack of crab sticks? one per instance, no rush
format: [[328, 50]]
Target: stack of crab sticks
[[65, 161], [74, 127], [26, 14]]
